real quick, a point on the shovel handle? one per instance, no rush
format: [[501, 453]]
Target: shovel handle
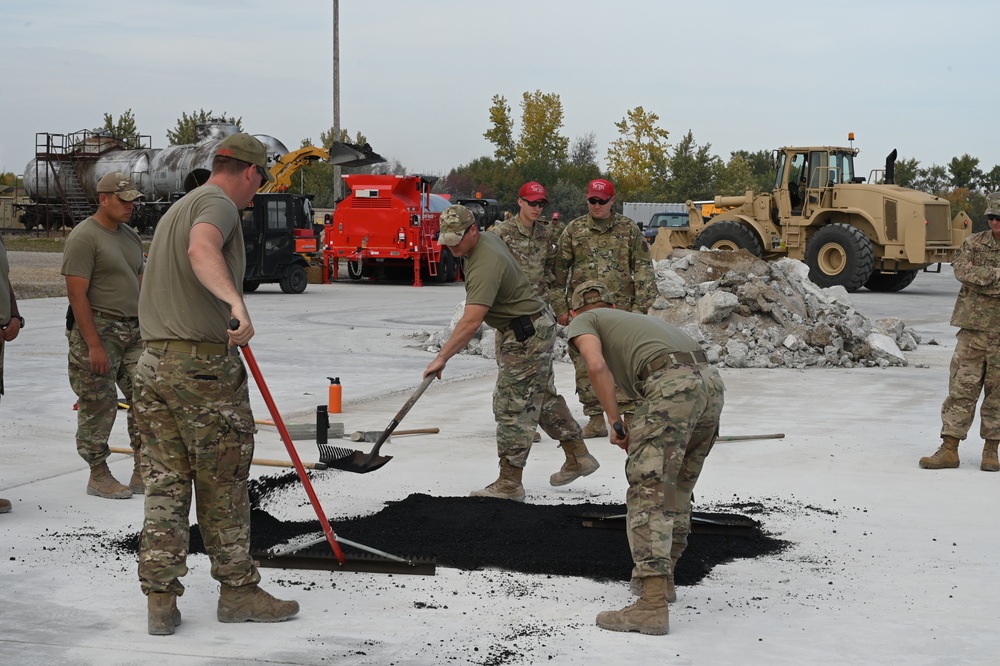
[[748, 438], [267, 462], [399, 417]]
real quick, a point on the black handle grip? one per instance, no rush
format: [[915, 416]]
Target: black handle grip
[[234, 324], [619, 429]]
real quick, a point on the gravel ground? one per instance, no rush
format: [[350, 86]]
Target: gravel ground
[[36, 274]]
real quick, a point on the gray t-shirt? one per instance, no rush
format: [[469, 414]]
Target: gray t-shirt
[[174, 304], [111, 260]]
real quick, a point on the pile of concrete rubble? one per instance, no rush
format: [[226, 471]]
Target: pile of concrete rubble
[[749, 313]]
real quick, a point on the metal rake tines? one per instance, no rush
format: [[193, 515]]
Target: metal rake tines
[[330, 454]]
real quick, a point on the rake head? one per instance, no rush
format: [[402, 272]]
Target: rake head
[[350, 460]]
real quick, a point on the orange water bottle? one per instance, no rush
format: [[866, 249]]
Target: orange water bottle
[[335, 395]]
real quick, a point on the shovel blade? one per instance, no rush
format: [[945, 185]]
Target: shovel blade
[[359, 462]]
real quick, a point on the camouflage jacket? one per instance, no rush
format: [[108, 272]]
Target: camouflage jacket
[[612, 251], [534, 251], [977, 267]]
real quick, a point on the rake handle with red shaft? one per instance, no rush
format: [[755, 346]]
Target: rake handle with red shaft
[[287, 440]]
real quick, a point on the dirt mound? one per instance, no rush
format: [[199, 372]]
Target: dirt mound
[[748, 313]]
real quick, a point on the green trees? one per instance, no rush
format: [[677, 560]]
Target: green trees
[[186, 130], [124, 129], [637, 159]]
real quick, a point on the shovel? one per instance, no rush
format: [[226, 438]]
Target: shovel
[[360, 462], [267, 462]]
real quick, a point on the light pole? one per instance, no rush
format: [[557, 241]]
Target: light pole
[[336, 94]]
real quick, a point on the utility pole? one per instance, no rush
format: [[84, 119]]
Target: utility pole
[[337, 180]]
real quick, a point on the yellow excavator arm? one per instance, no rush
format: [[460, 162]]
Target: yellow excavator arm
[[340, 154]]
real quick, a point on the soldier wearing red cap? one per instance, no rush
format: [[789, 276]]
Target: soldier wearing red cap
[[609, 248]]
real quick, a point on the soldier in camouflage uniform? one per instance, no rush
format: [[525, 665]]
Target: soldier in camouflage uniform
[[103, 265], [608, 247], [11, 323], [499, 294], [673, 431], [192, 404], [975, 365], [531, 241]]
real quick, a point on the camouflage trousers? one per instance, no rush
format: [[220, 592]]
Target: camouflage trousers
[[585, 391], [525, 394], [975, 370], [196, 426], [96, 395], [673, 432]]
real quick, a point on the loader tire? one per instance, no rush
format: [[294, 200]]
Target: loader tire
[[731, 236], [839, 254], [295, 280], [890, 281]]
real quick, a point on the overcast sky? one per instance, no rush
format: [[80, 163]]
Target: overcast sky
[[417, 78]]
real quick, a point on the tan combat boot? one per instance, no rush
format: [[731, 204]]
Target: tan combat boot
[[249, 603], [648, 615], [596, 427], [990, 462], [945, 457], [4, 505], [635, 585], [163, 615], [508, 486], [136, 484], [537, 437], [578, 463], [103, 484]]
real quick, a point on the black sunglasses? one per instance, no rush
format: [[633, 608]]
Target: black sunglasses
[[992, 217], [535, 204], [594, 201], [263, 174]]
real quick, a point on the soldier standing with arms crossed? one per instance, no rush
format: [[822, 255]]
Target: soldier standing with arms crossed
[[673, 432], [975, 365], [498, 292], [103, 265], [191, 397], [11, 323], [608, 247]]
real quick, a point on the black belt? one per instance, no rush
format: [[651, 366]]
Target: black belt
[[532, 317], [193, 348], [672, 359], [107, 315]]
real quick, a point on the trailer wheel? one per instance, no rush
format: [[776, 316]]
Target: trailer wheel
[[442, 267], [295, 280], [890, 281], [729, 235], [839, 254]]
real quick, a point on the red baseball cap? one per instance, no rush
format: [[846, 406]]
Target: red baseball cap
[[532, 192], [600, 188]]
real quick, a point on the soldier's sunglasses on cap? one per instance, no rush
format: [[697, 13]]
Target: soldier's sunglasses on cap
[[594, 201], [535, 204], [992, 217], [263, 174]]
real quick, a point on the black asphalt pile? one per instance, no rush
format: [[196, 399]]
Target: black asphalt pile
[[475, 533], [749, 313]]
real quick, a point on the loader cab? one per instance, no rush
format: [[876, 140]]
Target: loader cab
[[279, 237], [806, 176]]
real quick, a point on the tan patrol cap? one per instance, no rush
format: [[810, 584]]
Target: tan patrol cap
[[118, 183], [603, 294]]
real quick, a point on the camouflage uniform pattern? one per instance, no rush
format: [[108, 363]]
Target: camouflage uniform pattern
[[525, 394], [194, 417], [614, 252], [673, 432], [97, 397], [5, 304], [975, 365], [534, 252]]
